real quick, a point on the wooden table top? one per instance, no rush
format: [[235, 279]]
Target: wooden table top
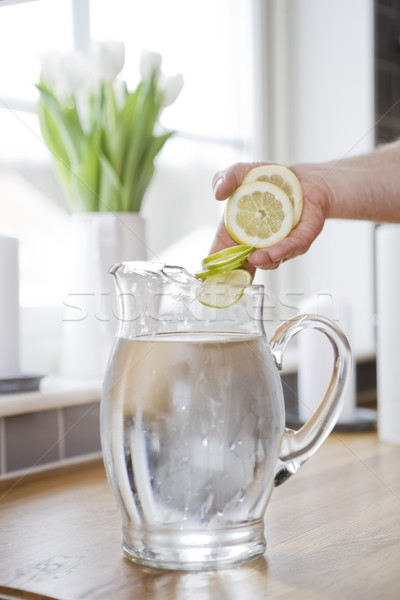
[[333, 531]]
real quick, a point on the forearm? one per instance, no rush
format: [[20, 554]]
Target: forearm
[[364, 187]]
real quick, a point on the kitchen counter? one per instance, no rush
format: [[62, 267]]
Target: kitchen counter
[[333, 531]]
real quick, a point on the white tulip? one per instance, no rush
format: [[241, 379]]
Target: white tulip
[[170, 87], [150, 64], [63, 73], [107, 59], [119, 88]]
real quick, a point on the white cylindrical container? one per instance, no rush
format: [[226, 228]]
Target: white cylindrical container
[[316, 359], [9, 308], [388, 331]]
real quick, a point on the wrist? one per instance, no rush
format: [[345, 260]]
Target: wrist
[[318, 186]]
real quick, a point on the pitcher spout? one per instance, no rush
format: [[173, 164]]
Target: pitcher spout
[[112, 270], [137, 268], [156, 298]]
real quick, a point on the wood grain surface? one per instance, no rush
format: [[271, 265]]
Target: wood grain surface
[[333, 531]]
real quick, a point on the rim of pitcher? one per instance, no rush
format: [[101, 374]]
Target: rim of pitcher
[[160, 267]]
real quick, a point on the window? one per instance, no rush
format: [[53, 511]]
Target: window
[[249, 67], [208, 43]]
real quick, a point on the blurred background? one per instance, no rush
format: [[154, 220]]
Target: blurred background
[[280, 80]]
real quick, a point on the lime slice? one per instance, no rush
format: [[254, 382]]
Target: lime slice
[[258, 214], [217, 270], [219, 259], [226, 253], [223, 290], [283, 178]]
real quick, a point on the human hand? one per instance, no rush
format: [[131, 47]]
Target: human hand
[[316, 195]]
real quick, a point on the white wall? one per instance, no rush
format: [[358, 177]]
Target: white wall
[[332, 106], [321, 107]]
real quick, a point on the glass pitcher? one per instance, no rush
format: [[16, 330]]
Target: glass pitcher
[[192, 417]]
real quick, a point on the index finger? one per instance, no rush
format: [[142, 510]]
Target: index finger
[[222, 239]]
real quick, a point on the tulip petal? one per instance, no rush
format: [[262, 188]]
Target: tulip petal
[[170, 87], [150, 65]]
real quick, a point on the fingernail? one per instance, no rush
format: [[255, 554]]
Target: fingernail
[[217, 184]]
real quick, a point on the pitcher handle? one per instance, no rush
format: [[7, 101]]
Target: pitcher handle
[[297, 446]]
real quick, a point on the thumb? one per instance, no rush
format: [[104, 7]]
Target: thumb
[[226, 181]]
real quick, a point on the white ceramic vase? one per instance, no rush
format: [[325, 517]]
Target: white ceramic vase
[[97, 241]]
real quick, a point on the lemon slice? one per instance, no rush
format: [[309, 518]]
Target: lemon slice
[[258, 214], [223, 290], [283, 178]]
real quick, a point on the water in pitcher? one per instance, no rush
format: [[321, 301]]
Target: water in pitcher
[[201, 416]]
